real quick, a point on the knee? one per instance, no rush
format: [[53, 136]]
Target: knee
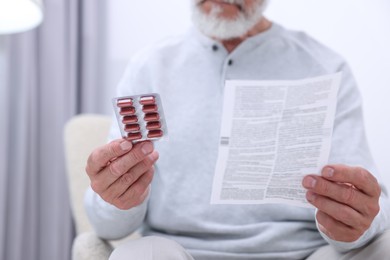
[[161, 242], [150, 248]]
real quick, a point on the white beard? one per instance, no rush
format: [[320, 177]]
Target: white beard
[[224, 29]]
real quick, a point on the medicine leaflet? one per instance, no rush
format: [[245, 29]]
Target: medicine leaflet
[[273, 133]]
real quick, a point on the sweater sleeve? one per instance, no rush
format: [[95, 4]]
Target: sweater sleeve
[[350, 147], [108, 221]]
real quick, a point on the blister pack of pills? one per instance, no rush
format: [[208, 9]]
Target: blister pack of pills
[[140, 117]]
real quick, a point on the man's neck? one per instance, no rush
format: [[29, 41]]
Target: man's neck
[[260, 27]]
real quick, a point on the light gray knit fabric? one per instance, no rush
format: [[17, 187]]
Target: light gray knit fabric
[[189, 72]]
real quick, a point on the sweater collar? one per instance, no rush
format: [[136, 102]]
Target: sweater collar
[[257, 39]]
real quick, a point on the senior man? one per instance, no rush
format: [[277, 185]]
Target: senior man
[[170, 200]]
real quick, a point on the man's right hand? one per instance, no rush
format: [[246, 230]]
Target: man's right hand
[[121, 172]]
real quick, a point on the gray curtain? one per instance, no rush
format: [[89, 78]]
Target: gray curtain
[[48, 75]]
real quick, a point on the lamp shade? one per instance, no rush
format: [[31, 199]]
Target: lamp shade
[[19, 15]]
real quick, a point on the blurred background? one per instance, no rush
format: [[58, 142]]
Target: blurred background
[[68, 59]]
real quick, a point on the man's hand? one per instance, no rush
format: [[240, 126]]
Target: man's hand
[[347, 199], [121, 173]]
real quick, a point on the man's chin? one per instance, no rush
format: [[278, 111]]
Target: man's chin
[[225, 28], [221, 28]]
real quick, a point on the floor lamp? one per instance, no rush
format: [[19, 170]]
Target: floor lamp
[[19, 15], [15, 16]]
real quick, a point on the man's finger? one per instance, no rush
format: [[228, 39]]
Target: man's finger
[[101, 156], [336, 210], [124, 163], [136, 193], [335, 229], [357, 176], [342, 193], [114, 186]]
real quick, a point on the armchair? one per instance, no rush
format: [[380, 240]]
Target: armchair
[[82, 134]]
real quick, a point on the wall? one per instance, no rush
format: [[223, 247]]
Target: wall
[[360, 31], [357, 29], [133, 24]]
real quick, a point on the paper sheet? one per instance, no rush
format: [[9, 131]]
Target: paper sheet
[[273, 133]]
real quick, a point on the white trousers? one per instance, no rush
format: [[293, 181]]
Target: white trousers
[[158, 248]]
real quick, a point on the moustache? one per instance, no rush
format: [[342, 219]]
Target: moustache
[[239, 3]]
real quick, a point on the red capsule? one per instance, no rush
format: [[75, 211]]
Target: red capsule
[[149, 108], [129, 119], [134, 136], [126, 111], [132, 128], [124, 102], [155, 133], [147, 100], [153, 125], [151, 117]]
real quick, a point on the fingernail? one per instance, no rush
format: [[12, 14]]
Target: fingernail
[[322, 228], [153, 156], [126, 145], [147, 148], [309, 182], [328, 172], [310, 196]]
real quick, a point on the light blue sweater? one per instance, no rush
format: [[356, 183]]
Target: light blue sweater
[[189, 73]]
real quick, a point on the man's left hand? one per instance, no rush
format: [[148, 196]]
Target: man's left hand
[[347, 199]]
